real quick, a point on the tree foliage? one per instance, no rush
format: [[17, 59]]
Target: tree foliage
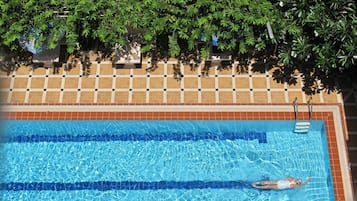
[[320, 32], [306, 34]]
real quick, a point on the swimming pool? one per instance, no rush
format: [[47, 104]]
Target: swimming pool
[[161, 160]]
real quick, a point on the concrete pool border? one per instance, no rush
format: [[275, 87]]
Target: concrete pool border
[[332, 114]]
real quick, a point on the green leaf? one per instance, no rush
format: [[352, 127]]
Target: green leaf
[[204, 52], [202, 21], [250, 41], [174, 48], [242, 48], [285, 58], [294, 30], [148, 36], [145, 48], [86, 32]]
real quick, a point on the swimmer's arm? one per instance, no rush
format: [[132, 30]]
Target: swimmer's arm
[[306, 182]]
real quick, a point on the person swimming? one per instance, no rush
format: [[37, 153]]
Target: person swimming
[[281, 184]]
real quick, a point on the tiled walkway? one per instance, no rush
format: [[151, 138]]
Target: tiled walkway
[[101, 83]]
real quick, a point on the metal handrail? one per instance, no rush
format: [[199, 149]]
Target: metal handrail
[[295, 104], [309, 106]]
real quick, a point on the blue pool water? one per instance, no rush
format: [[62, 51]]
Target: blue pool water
[[161, 160]]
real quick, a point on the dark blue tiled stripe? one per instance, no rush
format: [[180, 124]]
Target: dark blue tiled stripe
[[260, 136], [123, 185]]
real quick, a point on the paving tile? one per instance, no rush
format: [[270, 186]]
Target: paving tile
[[259, 83], [242, 83], [207, 83], [158, 71], [170, 70], [156, 97], [56, 71], [76, 69], [243, 97], [316, 98], [211, 72], [104, 97], [190, 83], [86, 97], [123, 71], [106, 69], [278, 97], [54, 83], [156, 83], [141, 71], [225, 71], [39, 71], [122, 83], [88, 83], [20, 83], [71, 83], [276, 84], [18, 97], [3, 96], [139, 97], [173, 84], [35, 97], [38, 83], [297, 94], [70, 97], [121, 97], [330, 97], [173, 97], [139, 83], [189, 71], [5, 82], [225, 97], [190, 97], [260, 97], [208, 97], [224, 83], [52, 97], [105, 83], [23, 71]]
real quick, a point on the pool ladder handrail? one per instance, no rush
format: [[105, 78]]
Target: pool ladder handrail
[[302, 126], [309, 107], [295, 104]]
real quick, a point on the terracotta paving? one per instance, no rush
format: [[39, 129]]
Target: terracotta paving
[[101, 84]]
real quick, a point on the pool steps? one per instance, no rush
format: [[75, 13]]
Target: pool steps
[[302, 126]]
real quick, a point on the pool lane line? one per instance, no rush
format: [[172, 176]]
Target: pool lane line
[[122, 185], [260, 136]]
